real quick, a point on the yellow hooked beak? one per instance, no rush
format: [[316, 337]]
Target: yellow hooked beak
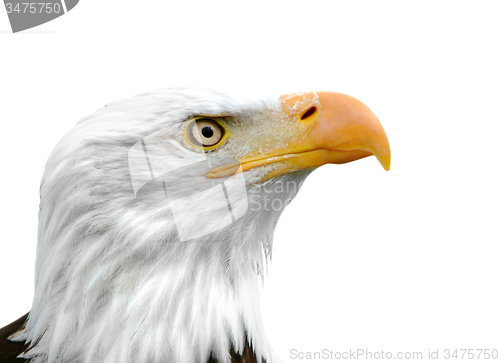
[[334, 129]]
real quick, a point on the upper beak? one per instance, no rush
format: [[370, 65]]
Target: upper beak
[[335, 128]]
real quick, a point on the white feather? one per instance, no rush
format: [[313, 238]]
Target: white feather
[[112, 282]]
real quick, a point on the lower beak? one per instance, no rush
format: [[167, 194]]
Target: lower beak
[[336, 129]]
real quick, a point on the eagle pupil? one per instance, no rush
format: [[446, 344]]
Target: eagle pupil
[[207, 132]]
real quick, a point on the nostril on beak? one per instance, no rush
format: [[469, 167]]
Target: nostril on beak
[[311, 111]]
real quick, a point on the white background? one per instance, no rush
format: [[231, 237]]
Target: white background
[[406, 260]]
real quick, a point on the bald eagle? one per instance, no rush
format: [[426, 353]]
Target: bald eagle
[[153, 233]]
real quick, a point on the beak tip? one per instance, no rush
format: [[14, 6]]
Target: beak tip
[[385, 161]]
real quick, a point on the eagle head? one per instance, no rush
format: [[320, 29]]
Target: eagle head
[[157, 215]]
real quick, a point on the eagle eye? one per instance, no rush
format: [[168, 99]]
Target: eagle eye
[[204, 132]]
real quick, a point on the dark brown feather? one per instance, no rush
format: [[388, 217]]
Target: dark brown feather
[[9, 350], [248, 356]]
